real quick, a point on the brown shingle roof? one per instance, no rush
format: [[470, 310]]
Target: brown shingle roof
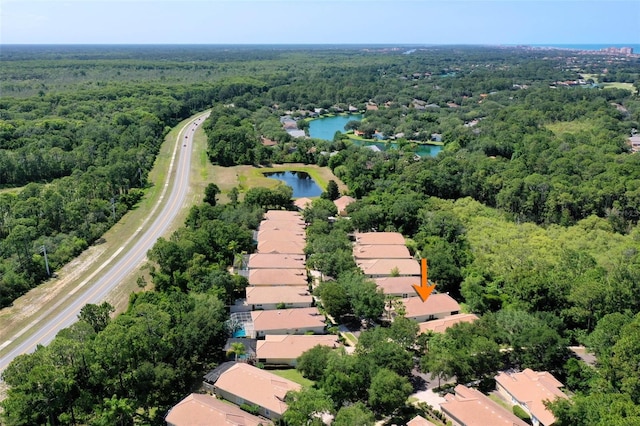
[[387, 266], [302, 203], [282, 215], [292, 346], [203, 410], [439, 303], [397, 286], [342, 203], [377, 251], [257, 386], [419, 421], [472, 408], [278, 277], [276, 261], [293, 247], [379, 238], [278, 294], [440, 325], [267, 141], [282, 225], [287, 319], [298, 236], [533, 388]]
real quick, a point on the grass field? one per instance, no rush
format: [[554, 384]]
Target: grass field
[[501, 402], [11, 190], [293, 375], [247, 177], [575, 126], [616, 85], [353, 340]]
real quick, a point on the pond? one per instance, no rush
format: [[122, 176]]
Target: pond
[[303, 185], [326, 127], [423, 150]]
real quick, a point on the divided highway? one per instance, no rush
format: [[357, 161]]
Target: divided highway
[[128, 257]]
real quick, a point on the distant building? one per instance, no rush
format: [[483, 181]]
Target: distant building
[[302, 203], [634, 142], [342, 203], [373, 148]]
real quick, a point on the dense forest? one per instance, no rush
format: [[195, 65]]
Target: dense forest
[[528, 216]]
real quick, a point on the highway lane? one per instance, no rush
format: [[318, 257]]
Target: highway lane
[[127, 258]]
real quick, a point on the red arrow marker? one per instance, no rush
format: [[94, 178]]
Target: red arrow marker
[[424, 290]]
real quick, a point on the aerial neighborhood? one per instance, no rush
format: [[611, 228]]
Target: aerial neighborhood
[[299, 235], [279, 320]]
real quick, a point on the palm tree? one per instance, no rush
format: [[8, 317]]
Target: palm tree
[[237, 348]]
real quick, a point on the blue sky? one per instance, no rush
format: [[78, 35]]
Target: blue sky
[[319, 21]]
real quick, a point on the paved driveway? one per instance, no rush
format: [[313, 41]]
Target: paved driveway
[[424, 389]]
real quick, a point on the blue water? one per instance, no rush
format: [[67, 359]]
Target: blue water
[[326, 127], [240, 333], [423, 150], [303, 185]]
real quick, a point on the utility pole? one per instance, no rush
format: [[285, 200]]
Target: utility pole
[[43, 249], [113, 208]]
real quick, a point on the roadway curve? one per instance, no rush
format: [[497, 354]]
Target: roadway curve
[[126, 259]]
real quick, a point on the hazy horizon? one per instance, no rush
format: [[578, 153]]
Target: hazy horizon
[[320, 22]]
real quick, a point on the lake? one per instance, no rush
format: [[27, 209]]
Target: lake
[[303, 185], [423, 150], [326, 127]]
